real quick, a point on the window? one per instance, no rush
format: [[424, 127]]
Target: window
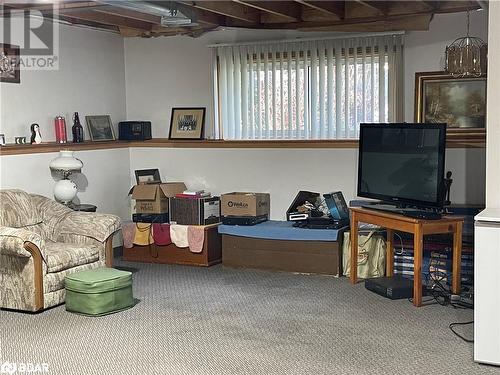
[[308, 90]]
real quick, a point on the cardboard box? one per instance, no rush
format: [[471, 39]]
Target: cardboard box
[[153, 198], [194, 211], [245, 204]]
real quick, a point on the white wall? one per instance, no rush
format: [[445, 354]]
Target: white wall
[[283, 172], [493, 111], [90, 80], [104, 180], [167, 72]]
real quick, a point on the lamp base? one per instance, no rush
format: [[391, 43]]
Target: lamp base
[[65, 191]]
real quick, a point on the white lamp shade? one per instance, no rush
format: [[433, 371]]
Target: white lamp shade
[[66, 162], [65, 191]]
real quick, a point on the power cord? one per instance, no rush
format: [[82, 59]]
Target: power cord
[[459, 335]]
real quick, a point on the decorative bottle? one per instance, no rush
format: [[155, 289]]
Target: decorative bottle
[[77, 129]]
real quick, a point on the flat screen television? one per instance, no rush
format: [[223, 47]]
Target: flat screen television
[[402, 164]]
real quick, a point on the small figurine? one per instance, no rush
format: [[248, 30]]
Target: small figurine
[[36, 137]]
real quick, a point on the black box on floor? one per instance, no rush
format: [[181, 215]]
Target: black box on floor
[[194, 211], [395, 287], [150, 218], [244, 220]]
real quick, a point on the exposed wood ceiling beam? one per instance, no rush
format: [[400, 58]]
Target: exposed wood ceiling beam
[[107, 19], [414, 22], [132, 14], [285, 9], [228, 9], [336, 8], [431, 5], [382, 7]]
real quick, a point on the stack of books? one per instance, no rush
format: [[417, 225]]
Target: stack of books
[[193, 194], [437, 262]]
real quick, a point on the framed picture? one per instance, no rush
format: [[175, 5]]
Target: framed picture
[[459, 102], [100, 128], [147, 176], [9, 63], [187, 123]]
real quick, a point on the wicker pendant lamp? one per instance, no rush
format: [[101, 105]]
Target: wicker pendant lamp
[[467, 56]]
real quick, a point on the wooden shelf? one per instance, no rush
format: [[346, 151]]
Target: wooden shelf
[[13, 149], [454, 140]]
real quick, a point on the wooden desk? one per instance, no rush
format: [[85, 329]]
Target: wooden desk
[[419, 228]]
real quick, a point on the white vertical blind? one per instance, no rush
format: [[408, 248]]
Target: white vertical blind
[[309, 89]]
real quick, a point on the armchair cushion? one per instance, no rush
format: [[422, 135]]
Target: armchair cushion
[[62, 256], [89, 224], [12, 242], [17, 209]]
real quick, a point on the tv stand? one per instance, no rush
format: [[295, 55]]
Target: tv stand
[[419, 227], [406, 211]]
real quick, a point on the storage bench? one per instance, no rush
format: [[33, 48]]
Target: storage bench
[[171, 254], [277, 245]]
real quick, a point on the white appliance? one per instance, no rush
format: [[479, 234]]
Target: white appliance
[[487, 287]]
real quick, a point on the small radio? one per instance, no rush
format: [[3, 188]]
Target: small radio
[[134, 130]]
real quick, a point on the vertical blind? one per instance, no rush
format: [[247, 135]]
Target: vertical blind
[[318, 89]]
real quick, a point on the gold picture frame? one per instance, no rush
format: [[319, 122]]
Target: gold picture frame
[[100, 128], [459, 102]]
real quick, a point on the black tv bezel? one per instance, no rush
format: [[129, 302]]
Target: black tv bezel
[[441, 160]]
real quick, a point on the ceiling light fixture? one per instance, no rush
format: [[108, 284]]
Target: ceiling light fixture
[[467, 56]]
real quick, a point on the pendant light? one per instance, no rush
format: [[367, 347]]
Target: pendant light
[[467, 56]]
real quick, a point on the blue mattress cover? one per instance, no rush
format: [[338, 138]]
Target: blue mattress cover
[[279, 230]]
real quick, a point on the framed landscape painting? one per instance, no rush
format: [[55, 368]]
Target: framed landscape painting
[[458, 102]]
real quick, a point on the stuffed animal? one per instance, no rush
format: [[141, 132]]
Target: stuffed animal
[[36, 137]]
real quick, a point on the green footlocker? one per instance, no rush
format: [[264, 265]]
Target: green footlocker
[[99, 292]]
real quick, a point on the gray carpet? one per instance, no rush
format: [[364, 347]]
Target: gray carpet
[[233, 321]]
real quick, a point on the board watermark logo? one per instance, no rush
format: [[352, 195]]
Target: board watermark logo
[[34, 30], [24, 368]]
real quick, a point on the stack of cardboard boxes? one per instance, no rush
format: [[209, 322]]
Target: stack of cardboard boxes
[[152, 201]]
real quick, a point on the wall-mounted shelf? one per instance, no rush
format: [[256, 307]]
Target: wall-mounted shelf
[[454, 140]]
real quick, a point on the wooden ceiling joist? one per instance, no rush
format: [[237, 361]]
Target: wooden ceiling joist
[[128, 13], [285, 9], [382, 7], [335, 8], [227, 8]]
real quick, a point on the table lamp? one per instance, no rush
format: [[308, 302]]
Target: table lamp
[[65, 190]]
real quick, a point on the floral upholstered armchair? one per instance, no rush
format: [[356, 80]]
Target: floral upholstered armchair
[[41, 242]]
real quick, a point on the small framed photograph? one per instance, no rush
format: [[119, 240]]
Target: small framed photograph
[[187, 123], [9, 63], [100, 128], [147, 176]]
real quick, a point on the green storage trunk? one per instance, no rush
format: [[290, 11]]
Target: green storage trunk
[[99, 291]]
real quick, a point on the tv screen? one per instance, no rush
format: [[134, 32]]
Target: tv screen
[[402, 163]]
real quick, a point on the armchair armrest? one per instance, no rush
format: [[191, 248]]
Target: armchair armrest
[[13, 240], [89, 224]]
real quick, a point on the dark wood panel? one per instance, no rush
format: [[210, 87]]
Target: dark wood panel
[[320, 257]]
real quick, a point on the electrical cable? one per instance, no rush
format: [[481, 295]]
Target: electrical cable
[[459, 335]]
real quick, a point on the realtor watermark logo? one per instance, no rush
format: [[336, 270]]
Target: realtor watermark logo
[[24, 368], [34, 30]]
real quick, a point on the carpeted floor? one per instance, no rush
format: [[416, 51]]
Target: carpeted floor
[[234, 321]]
